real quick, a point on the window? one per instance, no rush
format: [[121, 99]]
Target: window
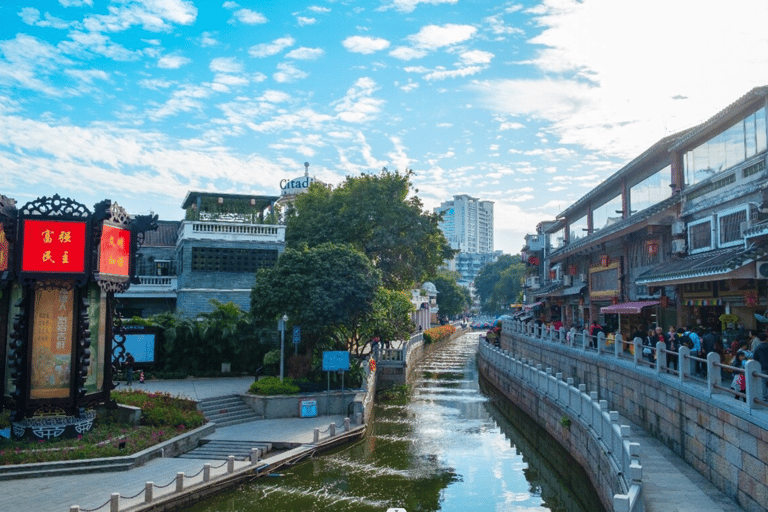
[[729, 227], [608, 213], [730, 147], [651, 190], [578, 229], [700, 235]]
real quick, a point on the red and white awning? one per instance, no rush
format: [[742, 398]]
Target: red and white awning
[[630, 308]]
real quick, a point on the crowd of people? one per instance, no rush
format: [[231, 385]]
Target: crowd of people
[[747, 345]]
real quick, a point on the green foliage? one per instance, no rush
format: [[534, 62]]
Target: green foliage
[[273, 386], [397, 394], [389, 319], [162, 409], [373, 213], [324, 289], [452, 299], [499, 284], [199, 346], [163, 417], [565, 422]]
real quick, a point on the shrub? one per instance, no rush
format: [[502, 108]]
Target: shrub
[[162, 409], [438, 333], [273, 386]]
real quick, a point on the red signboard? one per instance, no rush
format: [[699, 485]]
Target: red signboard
[[4, 250], [53, 246], [114, 251]]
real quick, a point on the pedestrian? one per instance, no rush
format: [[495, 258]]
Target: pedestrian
[[649, 344], [593, 331], [128, 365], [754, 340], [761, 356]]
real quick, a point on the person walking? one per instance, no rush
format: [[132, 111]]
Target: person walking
[[129, 362], [761, 356]]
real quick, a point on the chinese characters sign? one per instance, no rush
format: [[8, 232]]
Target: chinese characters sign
[[52, 334], [114, 254], [53, 246]]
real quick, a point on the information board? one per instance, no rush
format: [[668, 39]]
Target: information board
[[335, 360], [307, 408]]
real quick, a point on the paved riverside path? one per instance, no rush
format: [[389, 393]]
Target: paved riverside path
[[89, 491]]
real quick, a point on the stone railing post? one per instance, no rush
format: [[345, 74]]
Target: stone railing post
[[585, 337], [638, 343], [600, 342], [714, 376], [754, 383], [114, 502], [661, 357], [148, 491], [618, 345], [179, 482], [684, 363]]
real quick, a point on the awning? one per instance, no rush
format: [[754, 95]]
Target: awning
[[631, 308], [571, 290], [529, 307]]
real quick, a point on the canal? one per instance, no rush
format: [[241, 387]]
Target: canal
[[450, 444]]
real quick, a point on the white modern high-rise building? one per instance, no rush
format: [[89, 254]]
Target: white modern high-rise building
[[468, 224]]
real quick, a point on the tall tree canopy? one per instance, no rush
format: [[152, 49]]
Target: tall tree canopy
[[374, 214], [500, 283], [326, 289], [452, 299]]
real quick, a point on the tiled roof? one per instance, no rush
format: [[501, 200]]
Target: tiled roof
[[165, 236], [710, 263], [546, 290]]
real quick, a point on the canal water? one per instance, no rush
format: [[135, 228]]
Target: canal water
[[451, 444]]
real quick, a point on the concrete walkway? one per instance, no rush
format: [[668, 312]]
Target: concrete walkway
[[91, 491]]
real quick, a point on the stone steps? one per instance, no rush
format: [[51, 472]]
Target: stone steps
[[221, 450], [67, 467], [227, 410]]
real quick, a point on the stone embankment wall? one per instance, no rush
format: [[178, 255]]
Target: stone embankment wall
[[571, 435], [717, 435]]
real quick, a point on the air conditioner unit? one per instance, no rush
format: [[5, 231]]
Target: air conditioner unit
[[567, 280], [761, 270], [678, 228], [533, 282], [743, 227], [678, 246]]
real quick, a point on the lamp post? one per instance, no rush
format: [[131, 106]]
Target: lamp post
[[281, 326]]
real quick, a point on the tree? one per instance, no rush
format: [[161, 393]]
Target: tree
[[452, 299], [499, 283], [375, 215], [327, 289]]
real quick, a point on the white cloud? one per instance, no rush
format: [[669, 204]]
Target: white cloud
[[287, 73], [155, 16], [273, 48], [442, 74], [31, 16], [318, 9], [408, 53], [226, 65], [304, 21], [410, 5], [432, 37], [249, 17], [305, 53], [364, 44], [476, 57], [358, 105], [172, 61], [184, 99]]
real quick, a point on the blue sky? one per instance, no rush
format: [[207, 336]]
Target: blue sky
[[527, 104]]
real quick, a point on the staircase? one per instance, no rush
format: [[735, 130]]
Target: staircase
[[227, 410], [221, 450]]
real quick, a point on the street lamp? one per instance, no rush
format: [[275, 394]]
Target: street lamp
[[281, 326]]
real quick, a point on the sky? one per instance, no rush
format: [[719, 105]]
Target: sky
[[527, 104]]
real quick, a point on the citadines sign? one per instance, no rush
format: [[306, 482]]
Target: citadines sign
[[296, 185]]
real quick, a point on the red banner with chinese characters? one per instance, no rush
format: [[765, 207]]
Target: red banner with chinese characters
[[4, 249], [114, 251], [53, 246]]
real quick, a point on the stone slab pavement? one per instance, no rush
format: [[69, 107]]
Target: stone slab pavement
[[92, 491]]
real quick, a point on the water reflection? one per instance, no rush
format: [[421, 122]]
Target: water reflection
[[448, 447]]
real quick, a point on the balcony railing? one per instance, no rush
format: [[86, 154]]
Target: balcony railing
[[152, 286], [231, 231]]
